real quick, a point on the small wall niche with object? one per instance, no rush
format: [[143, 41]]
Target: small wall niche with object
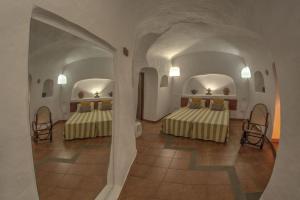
[[259, 82], [48, 88], [92, 89], [210, 84], [164, 81]]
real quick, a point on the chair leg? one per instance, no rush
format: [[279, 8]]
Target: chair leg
[[262, 142], [35, 137], [243, 139], [50, 132]]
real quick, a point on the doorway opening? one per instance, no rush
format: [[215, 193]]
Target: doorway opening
[[140, 104]]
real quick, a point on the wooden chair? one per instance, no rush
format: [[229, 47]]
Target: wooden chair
[[255, 128], [42, 126]]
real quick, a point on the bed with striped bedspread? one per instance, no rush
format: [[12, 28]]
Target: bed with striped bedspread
[[88, 125], [202, 124]]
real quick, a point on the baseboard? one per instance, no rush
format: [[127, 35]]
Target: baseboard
[[112, 192]]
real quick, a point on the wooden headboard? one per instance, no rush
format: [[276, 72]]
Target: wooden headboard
[[232, 102]]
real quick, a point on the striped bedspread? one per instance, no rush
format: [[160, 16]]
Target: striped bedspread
[[88, 125], [202, 124]]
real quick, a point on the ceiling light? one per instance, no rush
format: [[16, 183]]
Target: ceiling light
[[174, 71]]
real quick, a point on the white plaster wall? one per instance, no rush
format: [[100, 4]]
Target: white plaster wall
[[90, 86], [150, 93], [216, 82], [278, 22], [17, 172], [211, 63]]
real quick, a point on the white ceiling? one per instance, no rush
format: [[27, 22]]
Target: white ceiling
[[185, 27], [49, 42]]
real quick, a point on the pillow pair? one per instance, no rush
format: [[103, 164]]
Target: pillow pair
[[84, 107], [218, 105], [196, 103]]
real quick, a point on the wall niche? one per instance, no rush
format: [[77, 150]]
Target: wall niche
[[164, 82], [259, 82], [48, 88]]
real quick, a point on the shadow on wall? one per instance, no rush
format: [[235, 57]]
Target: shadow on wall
[[89, 87], [217, 83]]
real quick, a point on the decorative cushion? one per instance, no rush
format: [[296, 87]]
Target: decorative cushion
[[106, 105], [196, 100], [85, 104], [85, 108], [217, 105], [218, 101], [195, 105], [106, 102]]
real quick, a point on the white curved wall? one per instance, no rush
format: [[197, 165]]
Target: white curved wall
[[150, 93], [90, 86], [276, 21], [17, 171], [212, 63], [215, 82]]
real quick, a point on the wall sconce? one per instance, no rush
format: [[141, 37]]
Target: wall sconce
[[246, 73], [174, 71], [62, 79]]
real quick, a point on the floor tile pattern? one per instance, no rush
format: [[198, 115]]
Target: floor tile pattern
[[176, 168], [70, 170]]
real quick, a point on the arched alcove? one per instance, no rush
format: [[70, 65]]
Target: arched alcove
[[164, 81], [259, 82], [48, 88], [88, 88], [217, 83]]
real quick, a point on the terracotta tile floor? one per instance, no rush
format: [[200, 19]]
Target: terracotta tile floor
[[71, 169], [175, 168]]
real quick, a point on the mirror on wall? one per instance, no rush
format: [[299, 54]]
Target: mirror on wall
[[71, 131]]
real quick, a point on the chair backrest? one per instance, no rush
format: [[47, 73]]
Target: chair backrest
[[259, 114], [43, 115]]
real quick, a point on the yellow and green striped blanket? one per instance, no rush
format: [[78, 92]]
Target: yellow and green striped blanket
[[88, 125], [202, 124]]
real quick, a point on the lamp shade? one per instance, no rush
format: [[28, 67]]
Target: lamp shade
[[174, 71], [62, 79], [245, 73]]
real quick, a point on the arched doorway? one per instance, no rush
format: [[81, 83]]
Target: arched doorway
[[147, 94]]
